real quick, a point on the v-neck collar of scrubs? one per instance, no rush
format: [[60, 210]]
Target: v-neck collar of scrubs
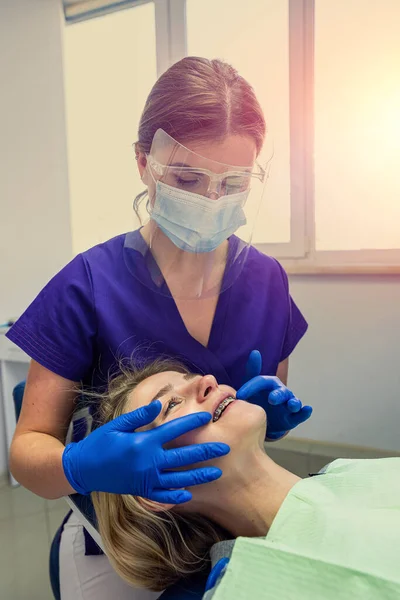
[[151, 276]]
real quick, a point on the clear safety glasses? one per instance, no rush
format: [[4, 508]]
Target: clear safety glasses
[[175, 165], [203, 181]]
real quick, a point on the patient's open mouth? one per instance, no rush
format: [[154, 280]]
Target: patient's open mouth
[[221, 407]]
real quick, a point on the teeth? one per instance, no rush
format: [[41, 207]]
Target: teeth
[[221, 407]]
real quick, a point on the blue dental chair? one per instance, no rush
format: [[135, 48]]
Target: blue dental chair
[[190, 589], [18, 394]]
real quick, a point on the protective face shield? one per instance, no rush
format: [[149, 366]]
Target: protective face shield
[[201, 219]]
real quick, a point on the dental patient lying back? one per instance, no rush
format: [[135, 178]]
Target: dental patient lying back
[[253, 498]]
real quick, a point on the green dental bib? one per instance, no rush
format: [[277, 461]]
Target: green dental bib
[[335, 537]]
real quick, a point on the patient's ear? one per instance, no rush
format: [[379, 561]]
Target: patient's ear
[[154, 506]]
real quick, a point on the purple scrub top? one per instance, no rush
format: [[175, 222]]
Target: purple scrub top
[[95, 312], [98, 311]]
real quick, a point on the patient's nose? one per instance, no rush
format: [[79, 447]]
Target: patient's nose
[[206, 385]]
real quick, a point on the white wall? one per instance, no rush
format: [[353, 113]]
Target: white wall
[[35, 236], [348, 365]]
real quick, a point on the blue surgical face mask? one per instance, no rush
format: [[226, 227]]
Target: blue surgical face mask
[[195, 223]]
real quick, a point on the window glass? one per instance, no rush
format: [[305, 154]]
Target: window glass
[[357, 124], [110, 67], [254, 39]]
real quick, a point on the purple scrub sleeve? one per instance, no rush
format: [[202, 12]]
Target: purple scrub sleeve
[[297, 325], [58, 329], [101, 308]]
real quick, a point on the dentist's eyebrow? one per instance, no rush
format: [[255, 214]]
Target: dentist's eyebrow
[[181, 164]]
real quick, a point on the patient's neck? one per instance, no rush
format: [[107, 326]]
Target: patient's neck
[[246, 501]]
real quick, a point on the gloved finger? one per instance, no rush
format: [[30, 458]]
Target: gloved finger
[[215, 573], [137, 418], [170, 496], [253, 365], [179, 479], [301, 416], [262, 383], [177, 427], [294, 405], [281, 395], [189, 455]]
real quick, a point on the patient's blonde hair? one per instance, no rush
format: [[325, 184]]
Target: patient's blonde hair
[[149, 549]]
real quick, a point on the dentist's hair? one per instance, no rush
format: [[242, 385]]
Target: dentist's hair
[[148, 546], [200, 100]]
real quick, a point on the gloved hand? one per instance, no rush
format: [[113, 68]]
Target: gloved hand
[[216, 572], [284, 410], [116, 459]]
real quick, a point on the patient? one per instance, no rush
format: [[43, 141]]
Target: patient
[[143, 537]]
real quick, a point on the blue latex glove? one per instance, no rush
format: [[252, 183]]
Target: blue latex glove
[[284, 410], [116, 459], [216, 573]]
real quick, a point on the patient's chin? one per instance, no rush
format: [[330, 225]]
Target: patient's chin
[[246, 417], [243, 426]]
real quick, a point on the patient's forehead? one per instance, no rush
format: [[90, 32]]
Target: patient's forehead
[[149, 389]]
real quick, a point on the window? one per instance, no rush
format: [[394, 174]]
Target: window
[[357, 125], [327, 74], [110, 67]]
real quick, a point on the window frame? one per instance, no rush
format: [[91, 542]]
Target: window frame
[[299, 255], [367, 261], [83, 10]]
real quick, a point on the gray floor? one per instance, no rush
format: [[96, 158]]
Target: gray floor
[[27, 526], [28, 523]]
